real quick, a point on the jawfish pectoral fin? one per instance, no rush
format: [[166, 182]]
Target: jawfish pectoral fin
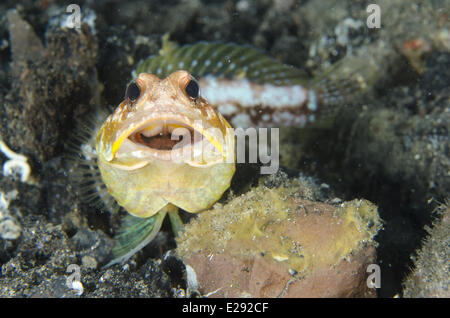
[[134, 234]]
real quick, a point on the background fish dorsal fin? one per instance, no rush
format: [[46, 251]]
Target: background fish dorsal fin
[[218, 59]]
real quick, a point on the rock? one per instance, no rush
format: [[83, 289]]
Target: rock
[[273, 243], [93, 244], [9, 230], [40, 268], [48, 84], [431, 274], [89, 262], [25, 44]]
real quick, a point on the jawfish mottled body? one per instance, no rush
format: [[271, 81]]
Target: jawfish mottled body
[[147, 170]]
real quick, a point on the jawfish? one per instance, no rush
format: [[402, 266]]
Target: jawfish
[[169, 145], [163, 148]]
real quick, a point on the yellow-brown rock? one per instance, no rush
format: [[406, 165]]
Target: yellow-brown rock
[[272, 243]]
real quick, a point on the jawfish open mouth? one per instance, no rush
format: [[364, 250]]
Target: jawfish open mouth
[[166, 135]]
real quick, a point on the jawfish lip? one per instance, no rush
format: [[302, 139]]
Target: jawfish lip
[[174, 138]]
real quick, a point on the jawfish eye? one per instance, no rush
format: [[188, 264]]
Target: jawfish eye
[[192, 89], [132, 92]]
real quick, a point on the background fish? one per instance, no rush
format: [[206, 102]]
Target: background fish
[[251, 89]]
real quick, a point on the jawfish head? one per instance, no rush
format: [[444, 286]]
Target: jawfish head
[[165, 144]]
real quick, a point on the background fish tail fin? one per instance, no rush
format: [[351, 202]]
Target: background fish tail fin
[[341, 83]]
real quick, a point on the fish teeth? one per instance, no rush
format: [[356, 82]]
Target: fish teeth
[[152, 131]]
